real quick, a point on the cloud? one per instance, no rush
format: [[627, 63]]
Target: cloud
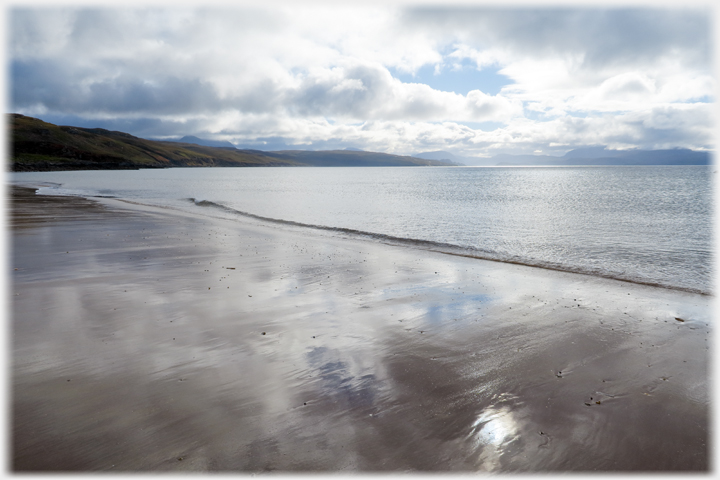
[[603, 37], [61, 89], [321, 75], [627, 84]]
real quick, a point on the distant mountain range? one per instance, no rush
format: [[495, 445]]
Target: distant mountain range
[[203, 142], [596, 155], [443, 155], [36, 145]]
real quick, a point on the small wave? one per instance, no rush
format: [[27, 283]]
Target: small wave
[[455, 250], [56, 190], [349, 231]]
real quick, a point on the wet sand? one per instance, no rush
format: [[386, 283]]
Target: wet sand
[[150, 340]]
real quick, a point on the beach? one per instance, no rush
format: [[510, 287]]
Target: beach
[[149, 339]]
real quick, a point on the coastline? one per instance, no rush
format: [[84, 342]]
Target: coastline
[[152, 340], [450, 249]]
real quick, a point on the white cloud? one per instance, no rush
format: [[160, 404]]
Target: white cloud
[[317, 74]]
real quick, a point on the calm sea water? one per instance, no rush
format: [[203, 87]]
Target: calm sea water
[[643, 224]]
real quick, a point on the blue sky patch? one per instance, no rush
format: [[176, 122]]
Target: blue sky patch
[[484, 126], [487, 80], [703, 99]]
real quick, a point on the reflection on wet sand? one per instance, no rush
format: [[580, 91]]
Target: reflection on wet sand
[[493, 430], [147, 340]]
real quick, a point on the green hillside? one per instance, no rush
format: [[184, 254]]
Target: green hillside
[[36, 145]]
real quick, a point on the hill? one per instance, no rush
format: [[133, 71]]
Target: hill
[[355, 158], [444, 156], [594, 155], [203, 142], [36, 145]]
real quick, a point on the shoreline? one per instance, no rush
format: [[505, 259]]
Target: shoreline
[[431, 246], [423, 245], [152, 340]]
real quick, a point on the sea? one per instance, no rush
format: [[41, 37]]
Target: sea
[[645, 224]]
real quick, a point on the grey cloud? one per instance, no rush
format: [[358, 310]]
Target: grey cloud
[[662, 127], [263, 97], [632, 86], [99, 28], [52, 84], [670, 138], [604, 36], [580, 127], [170, 95], [633, 35], [669, 116], [60, 88], [420, 108], [361, 92], [328, 97], [654, 138], [144, 127], [484, 109], [30, 82]]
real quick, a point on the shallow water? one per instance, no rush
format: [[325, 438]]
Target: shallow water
[[645, 224]]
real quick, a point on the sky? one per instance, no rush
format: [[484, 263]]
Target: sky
[[472, 79]]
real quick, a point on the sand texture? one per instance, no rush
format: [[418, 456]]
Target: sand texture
[[150, 340]]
